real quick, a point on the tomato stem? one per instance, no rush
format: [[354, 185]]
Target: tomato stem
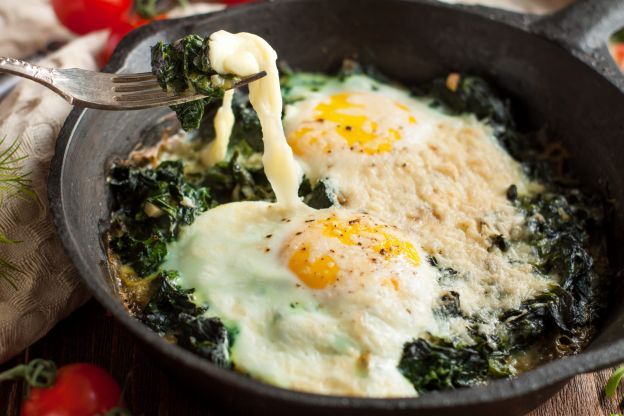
[[37, 373]]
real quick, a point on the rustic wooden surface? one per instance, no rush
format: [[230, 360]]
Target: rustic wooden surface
[[91, 335]]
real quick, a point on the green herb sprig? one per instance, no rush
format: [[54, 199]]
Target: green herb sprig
[[14, 183]]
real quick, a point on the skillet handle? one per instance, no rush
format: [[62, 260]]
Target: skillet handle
[[584, 28]]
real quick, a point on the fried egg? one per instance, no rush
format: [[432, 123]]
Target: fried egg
[[331, 120], [442, 179], [321, 300]]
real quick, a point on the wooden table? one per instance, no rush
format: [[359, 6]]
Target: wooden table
[[91, 335]]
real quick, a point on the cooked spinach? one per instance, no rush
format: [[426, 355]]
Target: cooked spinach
[[440, 364], [445, 274], [172, 313], [140, 240], [558, 226], [469, 94], [247, 127], [139, 237], [558, 322], [450, 304], [499, 242], [318, 196], [562, 224], [241, 178], [184, 66], [150, 207]]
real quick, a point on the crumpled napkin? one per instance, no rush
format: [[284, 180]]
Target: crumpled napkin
[[27, 26], [49, 288]]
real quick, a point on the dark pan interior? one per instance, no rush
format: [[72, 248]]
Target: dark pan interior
[[410, 41]]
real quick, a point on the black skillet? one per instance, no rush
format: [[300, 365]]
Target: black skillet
[[557, 69]]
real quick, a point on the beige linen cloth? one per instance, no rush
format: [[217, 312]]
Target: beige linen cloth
[[49, 288]]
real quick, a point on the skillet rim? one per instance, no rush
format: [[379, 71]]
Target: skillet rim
[[555, 372]]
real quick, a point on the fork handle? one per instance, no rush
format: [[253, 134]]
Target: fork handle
[[27, 70]]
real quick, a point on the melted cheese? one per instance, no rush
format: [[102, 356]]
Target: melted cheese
[[223, 123], [245, 54]]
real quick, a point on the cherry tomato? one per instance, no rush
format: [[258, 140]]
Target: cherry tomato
[[618, 54], [84, 16], [79, 390], [121, 28]]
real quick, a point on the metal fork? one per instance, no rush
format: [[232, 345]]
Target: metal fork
[[105, 91]]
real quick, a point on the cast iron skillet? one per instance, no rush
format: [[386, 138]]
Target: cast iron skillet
[[557, 69]]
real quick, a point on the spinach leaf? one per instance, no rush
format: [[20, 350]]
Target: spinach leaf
[[557, 226], [151, 206], [172, 313], [319, 196], [460, 94], [190, 114], [184, 66], [440, 364], [450, 304], [247, 127]]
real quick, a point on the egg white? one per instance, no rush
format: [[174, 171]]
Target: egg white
[[345, 338], [306, 92]]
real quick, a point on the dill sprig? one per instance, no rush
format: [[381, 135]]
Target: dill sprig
[[13, 184]]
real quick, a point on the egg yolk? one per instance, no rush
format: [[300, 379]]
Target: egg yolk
[[328, 242], [366, 122], [316, 274]]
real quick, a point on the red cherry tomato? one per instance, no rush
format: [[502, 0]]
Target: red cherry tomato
[[79, 390], [618, 54], [119, 30], [84, 16]]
